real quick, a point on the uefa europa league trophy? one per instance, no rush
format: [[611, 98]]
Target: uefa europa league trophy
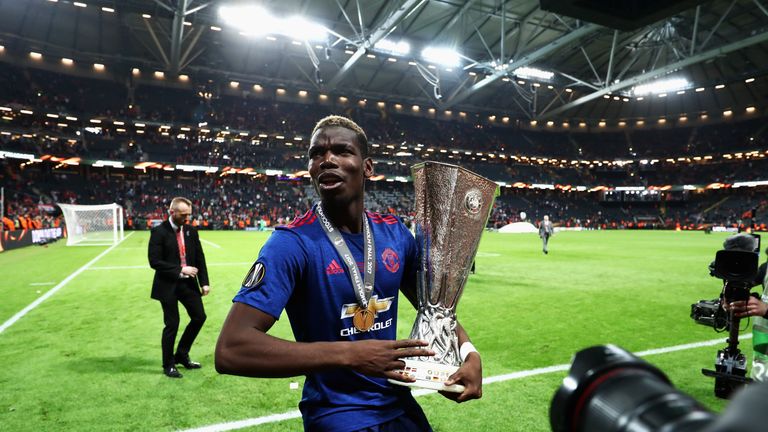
[[452, 209]]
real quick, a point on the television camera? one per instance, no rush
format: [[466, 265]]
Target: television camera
[[737, 265]]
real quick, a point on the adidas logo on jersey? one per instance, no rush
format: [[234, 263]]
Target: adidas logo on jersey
[[334, 268]]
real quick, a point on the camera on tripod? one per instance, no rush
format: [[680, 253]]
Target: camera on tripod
[[737, 266]]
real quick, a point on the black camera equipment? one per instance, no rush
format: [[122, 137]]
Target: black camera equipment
[[610, 390], [710, 314], [737, 266]]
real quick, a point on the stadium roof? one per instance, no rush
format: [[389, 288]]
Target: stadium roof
[[717, 46]]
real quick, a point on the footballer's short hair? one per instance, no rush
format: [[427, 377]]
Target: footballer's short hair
[[340, 121]]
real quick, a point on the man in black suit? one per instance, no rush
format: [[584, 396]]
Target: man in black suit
[[176, 255]]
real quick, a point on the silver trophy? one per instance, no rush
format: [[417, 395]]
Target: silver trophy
[[452, 209]]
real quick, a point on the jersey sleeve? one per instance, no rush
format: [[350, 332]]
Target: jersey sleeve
[[273, 277]]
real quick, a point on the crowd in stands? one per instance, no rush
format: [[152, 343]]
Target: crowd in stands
[[239, 202], [212, 125]]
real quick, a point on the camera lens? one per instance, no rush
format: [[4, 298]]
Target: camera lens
[[610, 390]]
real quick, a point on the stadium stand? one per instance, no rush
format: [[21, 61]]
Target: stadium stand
[[104, 122]]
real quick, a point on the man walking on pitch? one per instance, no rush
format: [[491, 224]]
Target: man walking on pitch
[[176, 255], [346, 350], [545, 232]]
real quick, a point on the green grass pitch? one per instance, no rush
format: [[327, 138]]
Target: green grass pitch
[[88, 357]]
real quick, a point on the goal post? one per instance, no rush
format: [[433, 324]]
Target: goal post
[[93, 225]]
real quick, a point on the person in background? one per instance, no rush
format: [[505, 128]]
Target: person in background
[[545, 232], [181, 276]]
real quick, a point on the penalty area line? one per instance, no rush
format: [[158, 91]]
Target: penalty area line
[[55, 289], [274, 418]]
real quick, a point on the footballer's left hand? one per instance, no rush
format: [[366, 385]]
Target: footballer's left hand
[[470, 375]]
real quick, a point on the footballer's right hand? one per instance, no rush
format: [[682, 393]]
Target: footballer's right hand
[[383, 358]]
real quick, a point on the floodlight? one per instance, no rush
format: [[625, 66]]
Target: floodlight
[[662, 86], [443, 56], [244, 17], [254, 20], [532, 72], [400, 48]]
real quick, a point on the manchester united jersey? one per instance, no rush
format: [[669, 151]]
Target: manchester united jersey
[[299, 270]]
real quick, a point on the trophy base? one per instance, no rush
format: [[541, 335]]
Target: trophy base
[[429, 375]]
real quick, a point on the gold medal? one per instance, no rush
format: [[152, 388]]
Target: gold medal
[[363, 319]]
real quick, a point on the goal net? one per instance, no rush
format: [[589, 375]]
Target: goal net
[[93, 225]]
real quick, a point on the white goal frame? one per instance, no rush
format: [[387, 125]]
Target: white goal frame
[[93, 225]]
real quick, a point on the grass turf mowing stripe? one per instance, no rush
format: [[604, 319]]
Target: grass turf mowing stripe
[[53, 290], [146, 267], [274, 418]]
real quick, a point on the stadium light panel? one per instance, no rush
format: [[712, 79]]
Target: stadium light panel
[[146, 16], [183, 78], [719, 86], [443, 56], [2, 48], [254, 20], [98, 66], [750, 109], [531, 72], [79, 4], [67, 61], [107, 9], [159, 74], [662, 86], [388, 46], [749, 80], [35, 55]]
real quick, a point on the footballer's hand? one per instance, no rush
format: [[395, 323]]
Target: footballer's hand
[[470, 375], [383, 358], [206, 289]]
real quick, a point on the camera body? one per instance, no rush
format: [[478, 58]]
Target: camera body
[[737, 265], [709, 313]]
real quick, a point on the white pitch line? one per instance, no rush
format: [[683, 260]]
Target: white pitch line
[[240, 424], [273, 418], [55, 289], [210, 243], [146, 267], [42, 283]]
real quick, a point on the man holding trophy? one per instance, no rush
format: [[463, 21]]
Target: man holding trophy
[[337, 271]]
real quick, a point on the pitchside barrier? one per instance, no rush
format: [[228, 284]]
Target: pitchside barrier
[[21, 238]]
